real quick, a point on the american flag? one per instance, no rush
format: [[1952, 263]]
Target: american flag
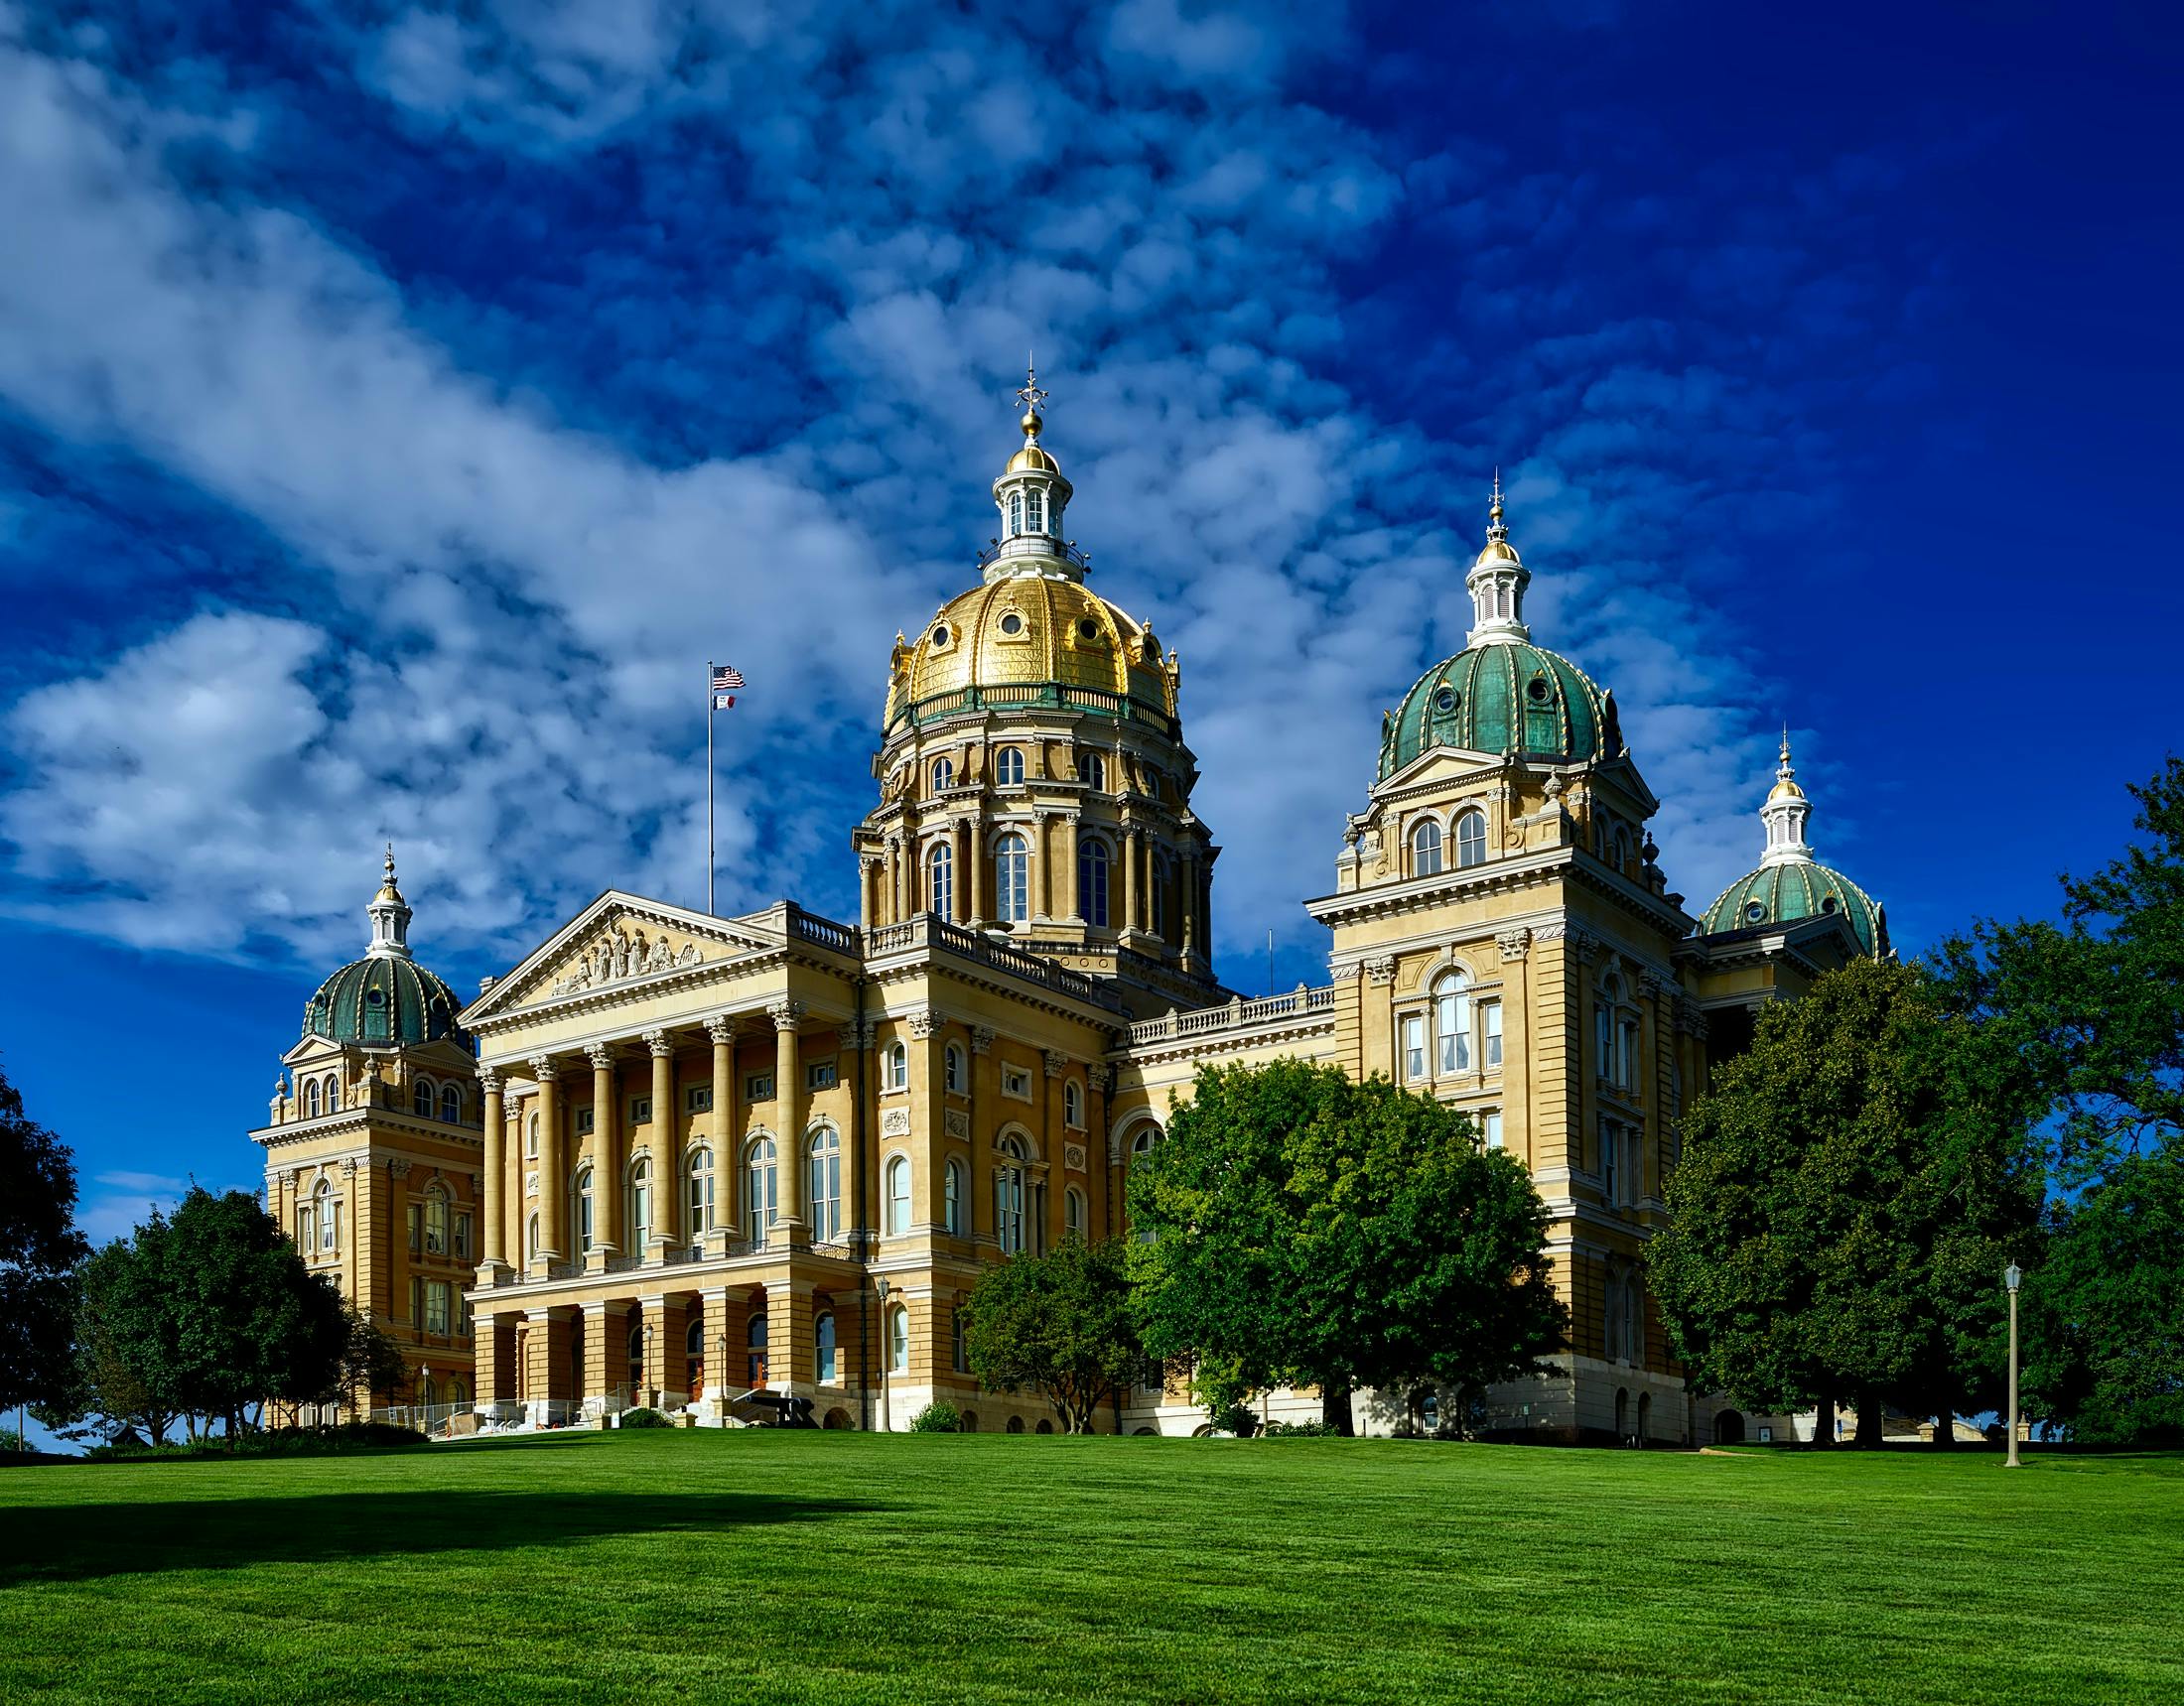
[[726, 679]]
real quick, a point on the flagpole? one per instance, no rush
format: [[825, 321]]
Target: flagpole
[[709, 787]]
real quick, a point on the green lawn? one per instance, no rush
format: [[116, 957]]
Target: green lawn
[[772, 1566]]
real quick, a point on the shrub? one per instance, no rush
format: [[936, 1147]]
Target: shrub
[[644, 1418], [1238, 1419], [1302, 1430], [942, 1417], [277, 1442]]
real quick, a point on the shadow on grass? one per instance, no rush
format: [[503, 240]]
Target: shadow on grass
[[76, 1542]]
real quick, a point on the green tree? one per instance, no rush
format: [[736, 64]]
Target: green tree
[[1061, 1324], [1848, 1194], [1298, 1228], [127, 1355], [40, 1251], [370, 1362]]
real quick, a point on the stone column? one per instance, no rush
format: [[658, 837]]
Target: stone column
[[605, 1352], [1048, 892], [666, 1150], [1188, 933], [868, 889], [553, 1379], [928, 1123], [1072, 905], [607, 1235], [494, 1252], [977, 1212], [789, 1347], [553, 1166], [494, 1340], [722, 1356], [791, 1231], [727, 1138], [1126, 846], [661, 1359], [971, 871], [1053, 1135]]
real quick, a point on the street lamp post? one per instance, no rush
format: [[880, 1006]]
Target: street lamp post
[[2012, 1275], [886, 1352]]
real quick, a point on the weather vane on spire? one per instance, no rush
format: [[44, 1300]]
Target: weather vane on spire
[[1029, 393], [1494, 527]]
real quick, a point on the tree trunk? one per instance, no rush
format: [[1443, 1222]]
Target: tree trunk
[[1334, 1408], [1824, 1422], [1871, 1412], [1945, 1430]]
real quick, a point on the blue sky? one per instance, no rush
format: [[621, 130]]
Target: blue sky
[[399, 405]]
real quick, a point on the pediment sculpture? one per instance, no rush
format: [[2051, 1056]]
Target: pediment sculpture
[[620, 954]]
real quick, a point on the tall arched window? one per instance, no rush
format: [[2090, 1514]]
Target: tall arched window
[[1157, 907], [1452, 1020], [436, 1222], [694, 1355], [530, 1138], [1471, 837], [1072, 1103], [330, 1223], [824, 1184], [760, 1189], [952, 1074], [1008, 1196], [822, 1334], [1034, 509], [952, 1195], [1141, 1146], [1012, 876], [1016, 512], [333, 1093], [421, 1098], [754, 1347], [634, 1350], [1092, 880], [700, 1192], [1008, 767], [451, 1104], [311, 1099], [530, 1240], [640, 1203], [1425, 850], [899, 1066], [897, 1196], [1073, 1212], [1092, 766], [944, 774], [940, 882], [899, 1340], [584, 1211]]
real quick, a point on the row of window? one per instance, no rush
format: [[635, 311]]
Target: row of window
[[1015, 1081], [1452, 1034], [1013, 882], [1009, 770], [1427, 845], [440, 1308], [322, 1093]]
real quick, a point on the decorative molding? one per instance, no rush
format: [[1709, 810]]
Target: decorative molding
[[543, 1067], [1588, 946], [1381, 970], [490, 1081], [1073, 1157], [616, 955], [784, 1014], [1350, 972], [531, 1184], [1099, 1076], [1514, 944], [895, 1122], [923, 1024], [601, 1055], [723, 1027], [398, 1168], [955, 1122], [659, 1044], [1056, 1063], [982, 1039], [1554, 931]]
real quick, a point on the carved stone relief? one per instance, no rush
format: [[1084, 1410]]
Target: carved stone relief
[[620, 954]]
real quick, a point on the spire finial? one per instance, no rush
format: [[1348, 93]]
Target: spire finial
[[1031, 396], [390, 864], [389, 914], [1496, 531]]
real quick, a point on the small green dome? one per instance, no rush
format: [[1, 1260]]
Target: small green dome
[[383, 998], [1505, 697], [1794, 889]]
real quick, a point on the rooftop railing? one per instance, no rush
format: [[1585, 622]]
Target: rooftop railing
[[1237, 1014]]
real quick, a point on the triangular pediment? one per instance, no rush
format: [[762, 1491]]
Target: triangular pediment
[[619, 939]]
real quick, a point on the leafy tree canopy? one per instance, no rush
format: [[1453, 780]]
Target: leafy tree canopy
[[1060, 1324], [1297, 1227], [39, 1249]]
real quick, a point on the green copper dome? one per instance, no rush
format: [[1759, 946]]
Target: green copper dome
[[382, 998], [1502, 697], [1795, 889]]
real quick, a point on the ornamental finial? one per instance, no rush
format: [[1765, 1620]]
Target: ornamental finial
[[1031, 396], [1496, 531]]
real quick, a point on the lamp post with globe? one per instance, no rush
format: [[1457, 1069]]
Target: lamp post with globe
[[2012, 1276]]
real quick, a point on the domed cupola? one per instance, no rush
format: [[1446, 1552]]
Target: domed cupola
[[1791, 885], [386, 998], [1031, 496], [1501, 693]]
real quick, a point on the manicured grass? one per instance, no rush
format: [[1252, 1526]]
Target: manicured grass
[[769, 1566]]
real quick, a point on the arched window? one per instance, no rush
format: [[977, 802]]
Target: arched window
[[760, 1189], [330, 1223], [421, 1094], [898, 1196], [1471, 837], [1072, 1103], [1007, 767], [1034, 509], [1016, 512], [1141, 1146], [940, 882], [635, 1350], [1013, 874], [1008, 1196], [952, 1074], [822, 1333], [754, 1347], [899, 1340], [1157, 893], [694, 1355], [311, 1099], [899, 1066], [530, 1138], [824, 1184], [1092, 880], [1093, 767], [952, 1192], [530, 1240], [1072, 1212], [700, 1192], [436, 1222], [451, 1104], [1621, 846], [584, 1211], [944, 774], [640, 1203], [1425, 850], [1452, 1020]]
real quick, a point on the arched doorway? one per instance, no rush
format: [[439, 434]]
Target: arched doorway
[[837, 1418], [1645, 1417], [1728, 1428]]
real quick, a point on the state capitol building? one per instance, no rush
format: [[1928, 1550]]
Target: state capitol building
[[715, 1162]]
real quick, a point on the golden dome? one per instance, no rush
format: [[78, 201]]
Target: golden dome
[[1497, 553], [1031, 631], [1032, 456], [1785, 789]]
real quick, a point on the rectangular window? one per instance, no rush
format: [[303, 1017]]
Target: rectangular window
[[584, 1122], [758, 1087], [641, 1111], [820, 1075], [1414, 1046], [698, 1099], [303, 1231], [462, 1237], [417, 1300], [1015, 1081], [416, 1228], [1490, 1023], [1490, 1127], [436, 1306]]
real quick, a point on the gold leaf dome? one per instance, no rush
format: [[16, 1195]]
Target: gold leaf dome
[[1030, 640]]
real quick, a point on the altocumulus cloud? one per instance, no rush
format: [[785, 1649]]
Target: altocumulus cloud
[[511, 524]]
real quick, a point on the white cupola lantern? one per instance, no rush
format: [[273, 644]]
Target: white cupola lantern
[[1031, 496], [1498, 581], [390, 916]]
